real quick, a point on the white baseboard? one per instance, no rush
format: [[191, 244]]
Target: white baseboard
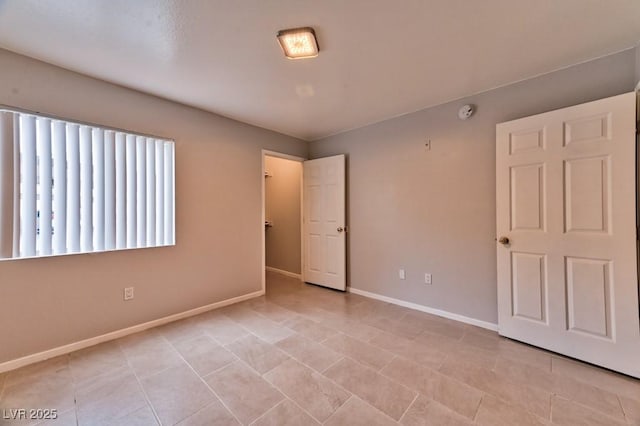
[[422, 308], [62, 350], [283, 272]]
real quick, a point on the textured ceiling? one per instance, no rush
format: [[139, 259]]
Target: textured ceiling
[[378, 58]]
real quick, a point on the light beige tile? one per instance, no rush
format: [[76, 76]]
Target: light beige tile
[[259, 325], [108, 398], [566, 413], [179, 330], [213, 414], [272, 311], [428, 355], [424, 412], [140, 342], [155, 361], [591, 396], [260, 355], [381, 310], [104, 386], [310, 329], [495, 412], [450, 392], [53, 389], [466, 354], [598, 377], [176, 394], [443, 343], [350, 327], [313, 354], [221, 328], [142, 417], [149, 353], [631, 409], [245, 393], [58, 367], [365, 353], [96, 360], [394, 326], [356, 412], [434, 324], [531, 399], [374, 388], [204, 354], [285, 414], [309, 389], [510, 349], [67, 418]]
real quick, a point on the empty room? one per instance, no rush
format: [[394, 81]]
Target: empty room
[[288, 212]]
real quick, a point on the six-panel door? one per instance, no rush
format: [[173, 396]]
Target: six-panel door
[[566, 200], [324, 222]]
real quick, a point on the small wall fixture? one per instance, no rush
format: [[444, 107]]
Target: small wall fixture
[[299, 43], [466, 112]]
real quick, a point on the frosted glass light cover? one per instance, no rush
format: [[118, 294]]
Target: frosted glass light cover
[[299, 43]]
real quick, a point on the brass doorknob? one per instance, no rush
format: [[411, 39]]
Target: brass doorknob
[[503, 240]]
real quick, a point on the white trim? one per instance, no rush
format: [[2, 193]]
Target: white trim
[[445, 314], [283, 272], [62, 350]]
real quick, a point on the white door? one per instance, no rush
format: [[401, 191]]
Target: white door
[[324, 224], [566, 202]]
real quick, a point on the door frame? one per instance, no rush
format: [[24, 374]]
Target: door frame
[[268, 153]]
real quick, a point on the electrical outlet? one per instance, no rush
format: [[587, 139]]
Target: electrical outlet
[[427, 278], [128, 293], [401, 274]]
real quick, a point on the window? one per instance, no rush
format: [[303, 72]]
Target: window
[[74, 188]]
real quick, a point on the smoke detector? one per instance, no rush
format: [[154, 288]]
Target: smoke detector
[[466, 111]]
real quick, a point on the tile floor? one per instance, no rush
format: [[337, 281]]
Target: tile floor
[[303, 355]]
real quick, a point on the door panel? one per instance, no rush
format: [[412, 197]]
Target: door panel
[[589, 296], [527, 197], [529, 286], [587, 195], [588, 129], [565, 198], [324, 222]]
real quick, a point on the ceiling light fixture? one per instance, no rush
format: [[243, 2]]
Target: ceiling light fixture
[[299, 43]]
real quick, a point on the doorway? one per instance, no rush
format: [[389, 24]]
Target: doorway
[[282, 215]]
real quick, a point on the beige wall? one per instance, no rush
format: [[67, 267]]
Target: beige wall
[[434, 211], [282, 207], [54, 301]]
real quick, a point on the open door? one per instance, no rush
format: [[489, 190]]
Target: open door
[[324, 227], [566, 221]]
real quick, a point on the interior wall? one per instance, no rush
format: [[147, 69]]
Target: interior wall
[[54, 301], [433, 211], [283, 209]]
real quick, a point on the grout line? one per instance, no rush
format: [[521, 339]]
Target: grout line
[[270, 409], [408, 407], [206, 384], [313, 371], [337, 409], [475, 415], [624, 413], [144, 391]]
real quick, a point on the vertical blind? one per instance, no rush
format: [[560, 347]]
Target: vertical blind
[[74, 188]]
